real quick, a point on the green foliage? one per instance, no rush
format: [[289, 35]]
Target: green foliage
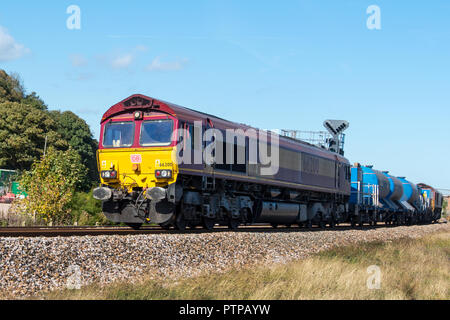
[[34, 101], [10, 87], [70, 164], [12, 90], [22, 135], [50, 186], [86, 210], [25, 122], [78, 135]]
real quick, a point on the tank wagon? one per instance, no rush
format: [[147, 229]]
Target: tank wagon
[[232, 181], [433, 202], [379, 197]]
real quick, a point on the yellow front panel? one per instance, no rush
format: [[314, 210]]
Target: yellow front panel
[[146, 160]]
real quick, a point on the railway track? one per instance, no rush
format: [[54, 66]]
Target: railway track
[[71, 231], [114, 230]]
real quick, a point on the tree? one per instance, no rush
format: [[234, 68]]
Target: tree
[[50, 186], [11, 88], [78, 135], [23, 129], [35, 101], [25, 123]]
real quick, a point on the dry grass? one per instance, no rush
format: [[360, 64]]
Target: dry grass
[[410, 269]]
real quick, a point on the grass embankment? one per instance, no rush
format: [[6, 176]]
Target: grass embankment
[[410, 269]]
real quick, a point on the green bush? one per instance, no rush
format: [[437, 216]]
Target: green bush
[[50, 186], [86, 210]]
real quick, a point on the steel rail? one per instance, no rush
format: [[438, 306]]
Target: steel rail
[[114, 230]]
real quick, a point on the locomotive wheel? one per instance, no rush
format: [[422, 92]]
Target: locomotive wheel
[[192, 225], [233, 224], [321, 224], [167, 225], [332, 224], [180, 222], [274, 225], [309, 224], [208, 223], [135, 226]]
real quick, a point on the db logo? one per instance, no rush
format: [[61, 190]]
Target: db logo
[[136, 158]]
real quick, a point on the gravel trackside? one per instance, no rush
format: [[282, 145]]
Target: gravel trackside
[[31, 265]]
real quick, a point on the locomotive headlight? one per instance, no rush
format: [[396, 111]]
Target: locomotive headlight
[[163, 174], [109, 174], [138, 115]]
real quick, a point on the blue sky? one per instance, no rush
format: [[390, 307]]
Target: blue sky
[[270, 64]]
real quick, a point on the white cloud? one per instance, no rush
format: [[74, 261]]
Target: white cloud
[[84, 76], [122, 61], [9, 48], [78, 60], [158, 65], [141, 48]]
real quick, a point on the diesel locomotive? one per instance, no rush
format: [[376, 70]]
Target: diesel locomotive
[[169, 165]]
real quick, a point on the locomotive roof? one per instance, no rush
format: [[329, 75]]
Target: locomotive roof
[[142, 102]]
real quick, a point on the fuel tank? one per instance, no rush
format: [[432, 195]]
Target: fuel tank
[[279, 212]]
